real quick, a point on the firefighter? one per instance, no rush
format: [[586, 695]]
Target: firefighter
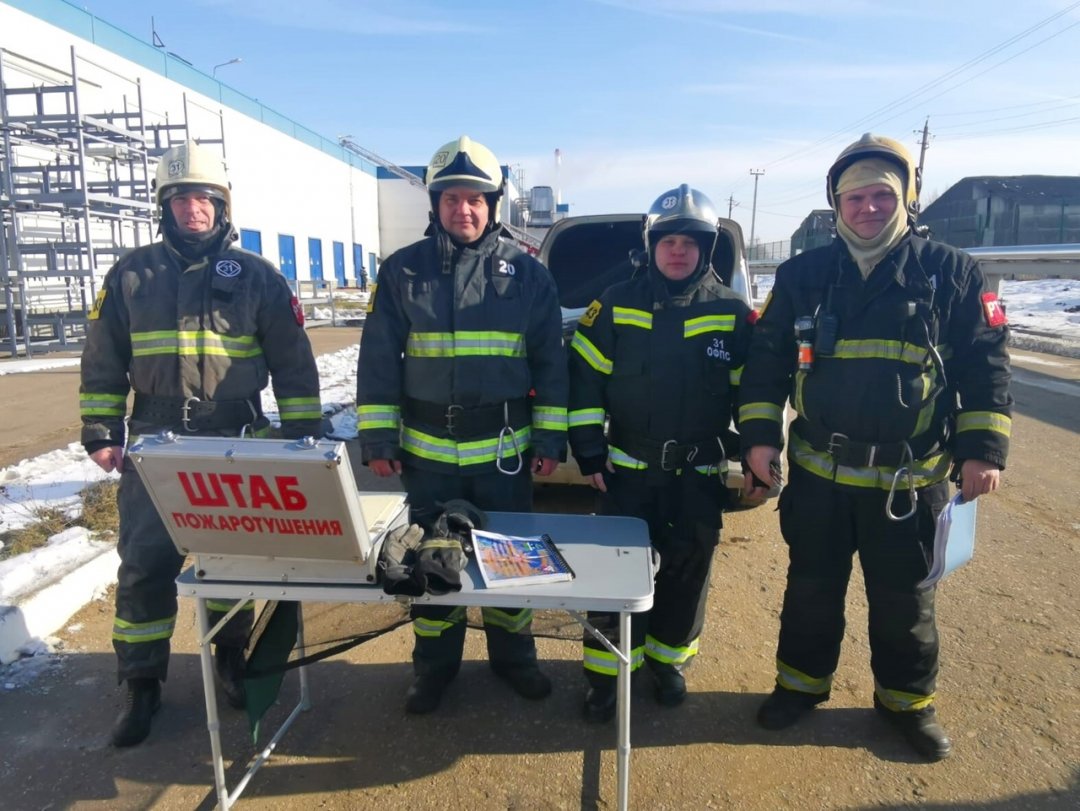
[[892, 350], [658, 357], [461, 389], [193, 326]]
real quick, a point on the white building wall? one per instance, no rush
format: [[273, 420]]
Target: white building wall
[[281, 184]]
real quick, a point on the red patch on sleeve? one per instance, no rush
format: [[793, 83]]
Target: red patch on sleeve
[[752, 317], [298, 311], [993, 310]]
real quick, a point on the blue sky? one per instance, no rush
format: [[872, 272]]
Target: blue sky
[[641, 96]]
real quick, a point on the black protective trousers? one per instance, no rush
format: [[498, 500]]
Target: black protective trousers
[[440, 629], [684, 512], [824, 524], [146, 588]]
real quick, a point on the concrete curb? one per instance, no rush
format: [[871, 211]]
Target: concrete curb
[[45, 612]]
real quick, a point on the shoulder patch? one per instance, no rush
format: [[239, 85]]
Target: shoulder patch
[[765, 306], [993, 310], [95, 312], [371, 298], [297, 310], [591, 313], [227, 268]]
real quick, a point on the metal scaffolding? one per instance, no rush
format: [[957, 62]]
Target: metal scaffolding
[[75, 191]]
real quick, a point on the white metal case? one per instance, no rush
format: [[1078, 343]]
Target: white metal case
[[267, 509]]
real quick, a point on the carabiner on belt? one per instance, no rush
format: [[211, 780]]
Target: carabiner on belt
[[506, 429], [185, 414], [909, 469]]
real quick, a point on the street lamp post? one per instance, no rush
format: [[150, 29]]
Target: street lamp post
[[232, 61], [753, 211]]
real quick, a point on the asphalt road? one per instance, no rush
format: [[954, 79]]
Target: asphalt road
[[1009, 690]]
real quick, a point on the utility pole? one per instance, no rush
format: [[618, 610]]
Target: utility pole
[[923, 144], [753, 211], [730, 204]]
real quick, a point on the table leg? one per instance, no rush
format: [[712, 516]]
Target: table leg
[[623, 712], [213, 722]]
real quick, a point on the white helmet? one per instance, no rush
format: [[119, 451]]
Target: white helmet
[[464, 162], [190, 166]]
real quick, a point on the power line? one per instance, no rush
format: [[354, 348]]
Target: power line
[[872, 116]]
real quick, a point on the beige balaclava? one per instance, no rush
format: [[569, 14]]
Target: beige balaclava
[[868, 172]]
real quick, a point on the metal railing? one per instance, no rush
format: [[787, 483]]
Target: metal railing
[[312, 293]]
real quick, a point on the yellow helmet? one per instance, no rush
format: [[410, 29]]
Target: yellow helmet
[[189, 165], [878, 146]]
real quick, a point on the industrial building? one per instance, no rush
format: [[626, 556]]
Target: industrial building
[[86, 111]]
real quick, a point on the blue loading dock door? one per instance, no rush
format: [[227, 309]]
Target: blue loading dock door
[[287, 252]]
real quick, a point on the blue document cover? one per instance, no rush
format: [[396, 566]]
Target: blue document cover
[[954, 539]]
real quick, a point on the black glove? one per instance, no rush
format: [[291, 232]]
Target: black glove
[[460, 516], [588, 465], [440, 563], [398, 559]]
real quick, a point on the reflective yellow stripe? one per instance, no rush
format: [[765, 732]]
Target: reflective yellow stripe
[[761, 411], [629, 317], [193, 343], [708, 323], [658, 651], [984, 421], [135, 632], [549, 418], [102, 405], [475, 451], [623, 459], [797, 398], [369, 417], [593, 356], [926, 471], [880, 349], [792, 679], [225, 606], [514, 622], [465, 343], [735, 376], [606, 663], [586, 416], [300, 408], [899, 701]]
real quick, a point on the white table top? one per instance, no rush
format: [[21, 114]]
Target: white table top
[[611, 558]]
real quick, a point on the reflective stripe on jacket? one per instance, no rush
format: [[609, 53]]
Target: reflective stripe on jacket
[[469, 326], [879, 384], [662, 368], [213, 330]]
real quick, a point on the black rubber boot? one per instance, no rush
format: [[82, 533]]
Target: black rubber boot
[[425, 694], [229, 670], [670, 685], [600, 704], [525, 678], [132, 725], [920, 729], [784, 707]]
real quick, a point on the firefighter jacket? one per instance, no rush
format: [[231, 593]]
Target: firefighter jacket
[[664, 369], [910, 367], [174, 331], [461, 359]]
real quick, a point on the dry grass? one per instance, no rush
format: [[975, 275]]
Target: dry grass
[[99, 515]]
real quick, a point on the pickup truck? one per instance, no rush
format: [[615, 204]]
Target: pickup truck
[[588, 254]]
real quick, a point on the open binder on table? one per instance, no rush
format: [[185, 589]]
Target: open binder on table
[[954, 539]]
